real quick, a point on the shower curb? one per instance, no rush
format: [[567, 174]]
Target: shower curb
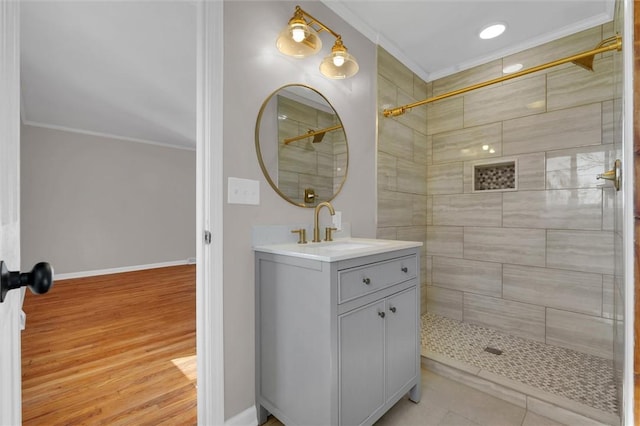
[[543, 403]]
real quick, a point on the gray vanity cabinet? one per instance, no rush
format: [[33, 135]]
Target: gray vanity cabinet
[[361, 363], [337, 343], [400, 332], [377, 355]]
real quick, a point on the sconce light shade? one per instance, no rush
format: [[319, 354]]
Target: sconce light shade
[[298, 39], [339, 64]]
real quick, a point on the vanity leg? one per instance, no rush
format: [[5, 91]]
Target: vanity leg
[[415, 393], [262, 414]]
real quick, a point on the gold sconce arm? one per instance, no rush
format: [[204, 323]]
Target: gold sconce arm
[[312, 133], [301, 12], [300, 39]]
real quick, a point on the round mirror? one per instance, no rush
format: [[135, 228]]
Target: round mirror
[[301, 145]]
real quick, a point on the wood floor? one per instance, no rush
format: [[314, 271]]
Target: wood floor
[[115, 349]]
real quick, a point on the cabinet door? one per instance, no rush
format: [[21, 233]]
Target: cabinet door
[[401, 341], [361, 363]]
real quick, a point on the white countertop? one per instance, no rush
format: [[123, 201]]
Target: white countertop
[[339, 249]]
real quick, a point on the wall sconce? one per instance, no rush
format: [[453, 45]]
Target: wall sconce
[[300, 39]]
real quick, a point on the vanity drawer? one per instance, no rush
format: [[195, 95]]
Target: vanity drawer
[[358, 281]]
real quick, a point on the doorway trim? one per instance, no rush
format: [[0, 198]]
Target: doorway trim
[[628, 187], [209, 196]]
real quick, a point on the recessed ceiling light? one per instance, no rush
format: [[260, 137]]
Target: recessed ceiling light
[[511, 68], [492, 31]]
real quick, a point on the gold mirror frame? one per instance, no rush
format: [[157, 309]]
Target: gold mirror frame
[[310, 134]]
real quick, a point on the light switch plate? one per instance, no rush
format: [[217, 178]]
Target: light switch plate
[[243, 191], [337, 220]]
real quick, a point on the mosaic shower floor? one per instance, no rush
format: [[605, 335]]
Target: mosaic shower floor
[[580, 377]]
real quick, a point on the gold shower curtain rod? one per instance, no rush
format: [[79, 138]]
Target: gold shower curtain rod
[[312, 133], [584, 59]]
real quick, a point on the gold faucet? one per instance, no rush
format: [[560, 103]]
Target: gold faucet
[[316, 229]]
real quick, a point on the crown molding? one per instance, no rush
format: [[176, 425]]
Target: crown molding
[[105, 135], [354, 20], [594, 21]]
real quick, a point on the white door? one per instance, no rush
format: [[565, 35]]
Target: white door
[[10, 374]]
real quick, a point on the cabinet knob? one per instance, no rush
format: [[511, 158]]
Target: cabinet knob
[[393, 309], [404, 269], [367, 281], [382, 314]]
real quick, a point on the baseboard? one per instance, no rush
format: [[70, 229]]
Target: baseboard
[[248, 417], [96, 272]]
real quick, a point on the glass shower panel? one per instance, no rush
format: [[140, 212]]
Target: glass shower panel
[[615, 198]]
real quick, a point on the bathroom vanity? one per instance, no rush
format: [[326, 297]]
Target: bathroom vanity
[[337, 330]]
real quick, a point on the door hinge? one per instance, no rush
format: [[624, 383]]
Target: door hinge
[[207, 237]]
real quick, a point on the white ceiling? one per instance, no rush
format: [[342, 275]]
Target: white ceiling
[[127, 68], [435, 38]]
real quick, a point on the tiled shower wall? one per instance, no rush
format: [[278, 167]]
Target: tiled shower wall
[[402, 159], [536, 262]]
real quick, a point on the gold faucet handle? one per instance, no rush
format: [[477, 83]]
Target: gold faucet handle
[[302, 235], [327, 233]]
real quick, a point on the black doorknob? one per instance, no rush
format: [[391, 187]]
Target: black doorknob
[[39, 280]]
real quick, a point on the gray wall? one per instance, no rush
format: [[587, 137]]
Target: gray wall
[[253, 69], [91, 202]]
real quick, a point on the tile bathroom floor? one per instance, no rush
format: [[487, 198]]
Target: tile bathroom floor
[[446, 402]]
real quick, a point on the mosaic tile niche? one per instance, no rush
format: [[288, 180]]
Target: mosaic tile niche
[[494, 177]]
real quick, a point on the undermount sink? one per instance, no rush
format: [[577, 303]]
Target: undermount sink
[[340, 249]]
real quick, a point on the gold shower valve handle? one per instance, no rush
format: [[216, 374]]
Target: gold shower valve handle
[[614, 174], [610, 175]]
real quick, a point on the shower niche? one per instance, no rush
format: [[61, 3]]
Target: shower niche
[[495, 176]]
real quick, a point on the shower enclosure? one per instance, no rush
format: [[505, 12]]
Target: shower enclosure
[[522, 242]]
